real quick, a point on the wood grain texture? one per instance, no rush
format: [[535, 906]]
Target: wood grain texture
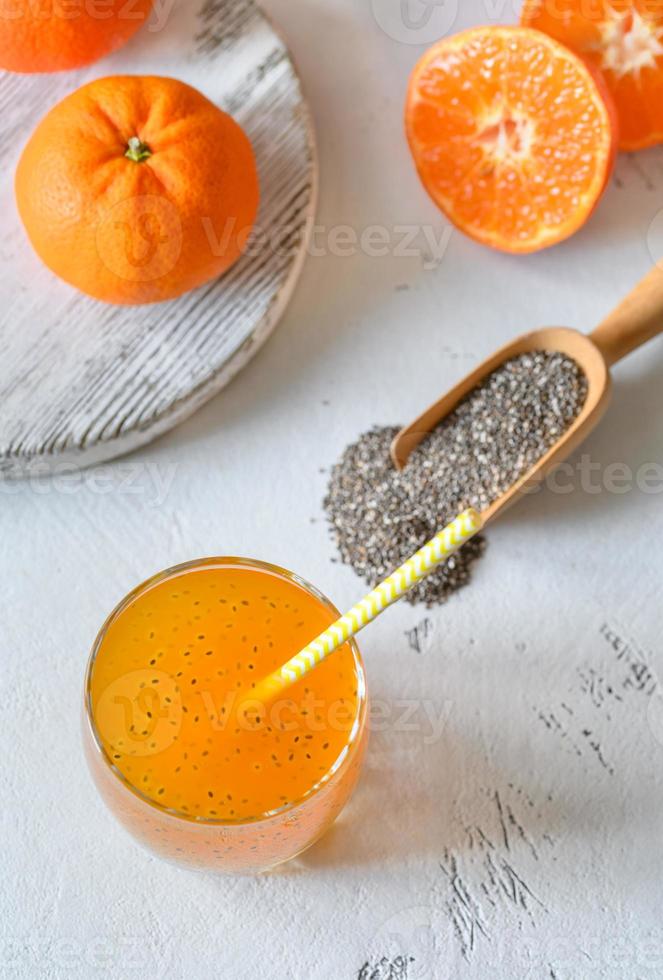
[[82, 382]]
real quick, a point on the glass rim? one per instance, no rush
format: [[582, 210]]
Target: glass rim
[[356, 731]]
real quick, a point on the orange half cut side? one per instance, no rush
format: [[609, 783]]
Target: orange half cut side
[[513, 136]]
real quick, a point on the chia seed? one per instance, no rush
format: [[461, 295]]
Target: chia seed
[[379, 516]]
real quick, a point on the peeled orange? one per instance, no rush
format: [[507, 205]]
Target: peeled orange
[[622, 38]]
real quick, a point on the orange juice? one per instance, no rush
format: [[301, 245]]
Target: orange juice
[[191, 763]]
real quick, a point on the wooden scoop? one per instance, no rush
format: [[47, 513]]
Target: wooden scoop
[[636, 320]]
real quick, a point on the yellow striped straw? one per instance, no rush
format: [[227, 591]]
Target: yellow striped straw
[[441, 547]]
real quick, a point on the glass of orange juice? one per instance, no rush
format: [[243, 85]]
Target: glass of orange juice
[[183, 756]]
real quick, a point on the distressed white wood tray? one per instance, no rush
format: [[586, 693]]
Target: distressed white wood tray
[[82, 382]]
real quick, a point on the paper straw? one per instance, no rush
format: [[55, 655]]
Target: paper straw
[[441, 547]]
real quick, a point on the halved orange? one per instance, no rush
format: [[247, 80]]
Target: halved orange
[[513, 135], [624, 39]]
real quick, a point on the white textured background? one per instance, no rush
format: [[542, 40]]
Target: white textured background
[[524, 839]]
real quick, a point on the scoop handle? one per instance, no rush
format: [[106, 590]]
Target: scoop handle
[[637, 319]]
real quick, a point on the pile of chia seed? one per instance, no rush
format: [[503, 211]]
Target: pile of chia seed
[[379, 516]]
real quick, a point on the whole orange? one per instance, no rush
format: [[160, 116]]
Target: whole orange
[[54, 35], [137, 189]]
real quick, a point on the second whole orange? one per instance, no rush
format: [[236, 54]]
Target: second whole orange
[[59, 35]]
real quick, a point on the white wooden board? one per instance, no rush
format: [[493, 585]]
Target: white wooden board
[[81, 381]]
